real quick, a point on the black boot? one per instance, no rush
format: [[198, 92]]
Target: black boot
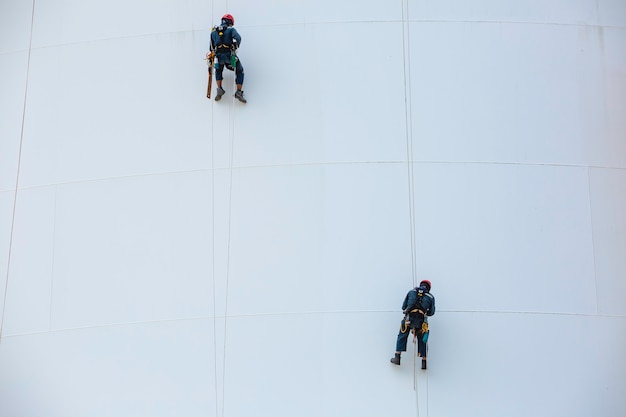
[[396, 359], [423, 363]]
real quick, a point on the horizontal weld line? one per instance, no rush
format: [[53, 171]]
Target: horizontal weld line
[[305, 23], [245, 167], [309, 313]]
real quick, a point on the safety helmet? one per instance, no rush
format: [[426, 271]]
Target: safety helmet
[[228, 18], [427, 282]]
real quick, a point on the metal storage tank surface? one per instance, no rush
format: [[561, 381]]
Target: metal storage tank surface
[[162, 254]]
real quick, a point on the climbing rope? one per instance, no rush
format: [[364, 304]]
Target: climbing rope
[[231, 138], [409, 133], [409, 151]]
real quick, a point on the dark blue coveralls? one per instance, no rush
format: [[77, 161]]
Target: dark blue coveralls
[[222, 47], [416, 308]]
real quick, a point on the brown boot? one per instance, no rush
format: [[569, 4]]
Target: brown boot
[[396, 359]]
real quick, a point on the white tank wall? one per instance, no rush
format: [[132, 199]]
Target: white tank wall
[[163, 254]]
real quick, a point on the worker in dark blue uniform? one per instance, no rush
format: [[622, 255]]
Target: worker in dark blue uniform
[[418, 304], [224, 42]]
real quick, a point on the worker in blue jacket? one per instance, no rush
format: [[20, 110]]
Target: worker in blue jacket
[[224, 43], [418, 304]]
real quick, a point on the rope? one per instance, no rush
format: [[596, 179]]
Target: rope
[[414, 366], [213, 237], [231, 136], [409, 132], [230, 198], [17, 176], [427, 395], [409, 151]]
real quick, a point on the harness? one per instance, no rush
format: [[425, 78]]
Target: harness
[[418, 305], [418, 310], [222, 47]]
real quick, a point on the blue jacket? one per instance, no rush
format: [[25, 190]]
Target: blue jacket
[[426, 302], [222, 44]]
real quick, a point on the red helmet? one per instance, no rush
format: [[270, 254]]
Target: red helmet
[[427, 282], [229, 17]]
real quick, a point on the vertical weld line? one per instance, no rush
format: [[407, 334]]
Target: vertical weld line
[[17, 176], [593, 243], [54, 238]]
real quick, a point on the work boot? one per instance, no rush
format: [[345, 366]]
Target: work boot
[[423, 363], [239, 96], [220, 93], [396, 359]]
